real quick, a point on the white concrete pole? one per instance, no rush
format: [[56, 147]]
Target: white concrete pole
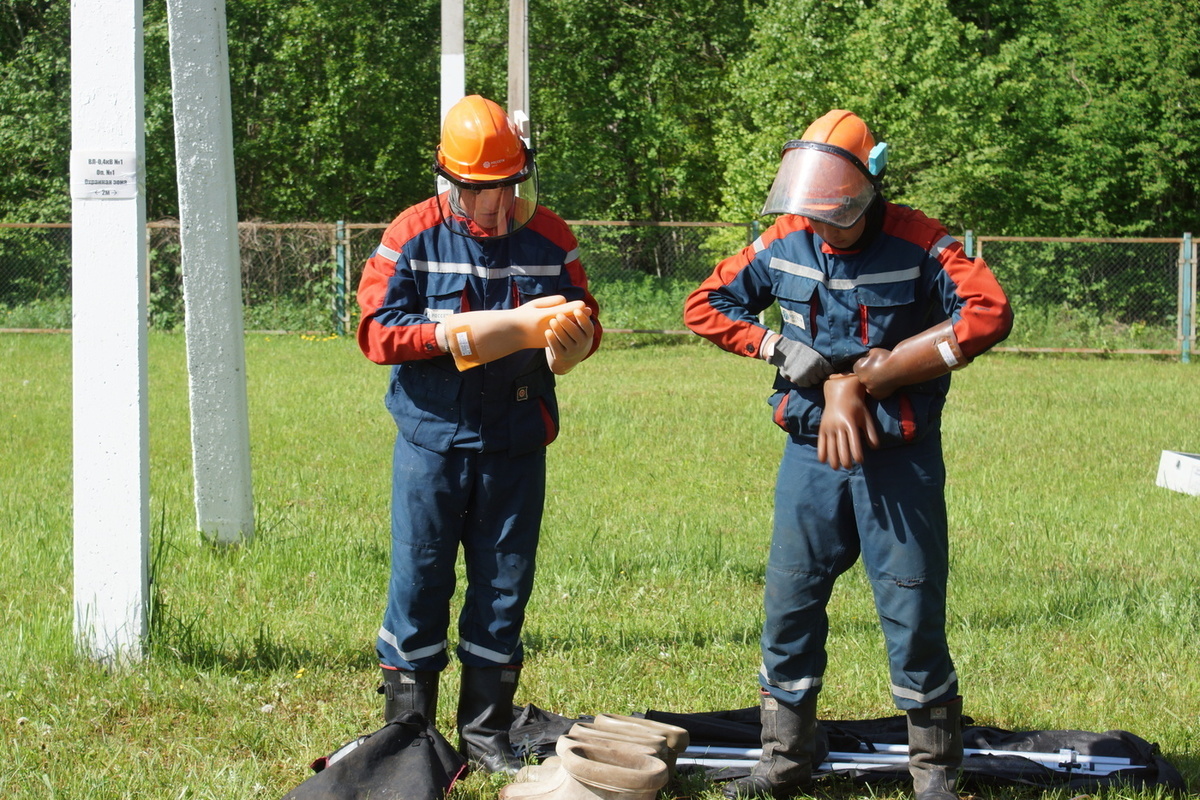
[[454, 59], [108, 321], [518, 66], [212, 276]]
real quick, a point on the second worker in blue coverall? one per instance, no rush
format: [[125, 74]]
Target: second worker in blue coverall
[[878, 305]]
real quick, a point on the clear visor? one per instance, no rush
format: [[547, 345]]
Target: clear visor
[[488, 210], [820, 185]]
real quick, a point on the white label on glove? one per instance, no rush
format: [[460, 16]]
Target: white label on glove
[[947, 353], [464, 343]]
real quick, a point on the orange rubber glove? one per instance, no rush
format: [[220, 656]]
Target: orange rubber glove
[[569, 340], [844, 423], [930, 354], [477, 337]]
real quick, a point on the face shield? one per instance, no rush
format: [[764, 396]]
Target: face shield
[[822, 182], [488, 209]]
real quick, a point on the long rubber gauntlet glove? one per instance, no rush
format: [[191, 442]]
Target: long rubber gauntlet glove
[[845, 422], [930, 354], [477, 337]]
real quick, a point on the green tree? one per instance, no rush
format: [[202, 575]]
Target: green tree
[[35, 110], [1112, 120], [625, 96]]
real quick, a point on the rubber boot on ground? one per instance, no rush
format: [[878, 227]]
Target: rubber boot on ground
[[405, 690], [935, 750], [677, 738], [595, 771], [485, 714], [551, 770], [789, 743]]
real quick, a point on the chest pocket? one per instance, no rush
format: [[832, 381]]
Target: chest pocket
[[530, 286], [443, 294], [887, 312], [796, 296]]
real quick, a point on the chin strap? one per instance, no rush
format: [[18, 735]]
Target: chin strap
[[930, 354]]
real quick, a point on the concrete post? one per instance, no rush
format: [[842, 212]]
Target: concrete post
[[212, 280], [518, 66], [108, 321]]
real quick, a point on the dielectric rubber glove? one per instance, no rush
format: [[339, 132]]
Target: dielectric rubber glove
[[569, 340], [477, 337], [845, 422], [797, 362], [930, 354]]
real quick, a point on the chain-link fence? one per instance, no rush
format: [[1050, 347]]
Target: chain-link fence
[[1108, 295], [1134, 295]]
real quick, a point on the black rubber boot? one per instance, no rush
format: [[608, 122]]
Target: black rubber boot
[[789, 744], [485, 714], [935, 750], [404, 689]]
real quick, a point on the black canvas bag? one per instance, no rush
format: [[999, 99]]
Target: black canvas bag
[[407, 759]]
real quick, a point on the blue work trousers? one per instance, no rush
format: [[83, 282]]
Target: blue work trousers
[[490, 504], [890, 510]]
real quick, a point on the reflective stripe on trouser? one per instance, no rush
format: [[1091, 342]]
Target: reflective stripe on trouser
[[489, 503], [890, 510]]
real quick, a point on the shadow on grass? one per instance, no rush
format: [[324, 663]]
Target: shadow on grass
[[194, 643]]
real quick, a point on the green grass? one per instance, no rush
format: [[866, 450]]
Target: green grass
[[1073, 589]]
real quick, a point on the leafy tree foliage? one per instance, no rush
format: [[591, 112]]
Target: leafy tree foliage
[[35, 109], [1043, 117], [1050, 117]]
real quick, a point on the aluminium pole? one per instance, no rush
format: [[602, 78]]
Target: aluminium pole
[[110, 418]]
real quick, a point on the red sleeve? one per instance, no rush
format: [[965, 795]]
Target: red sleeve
[[392, 328], [724, 308]]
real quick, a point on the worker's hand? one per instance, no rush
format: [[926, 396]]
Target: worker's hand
[[845, 422], [479, 337], [925, 356], [799, 363], [569, 339], [872, 370]]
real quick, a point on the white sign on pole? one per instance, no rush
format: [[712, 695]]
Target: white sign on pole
[[104, 175], [108, 320]]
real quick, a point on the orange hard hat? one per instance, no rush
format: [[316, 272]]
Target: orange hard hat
[[843, 129], [832, 173], [480, 144]]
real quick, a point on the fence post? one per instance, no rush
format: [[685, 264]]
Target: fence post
[[339, 280], [1187, 297], [969, 243]]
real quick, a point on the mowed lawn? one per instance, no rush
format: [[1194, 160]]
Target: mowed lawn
[[1074, 584]]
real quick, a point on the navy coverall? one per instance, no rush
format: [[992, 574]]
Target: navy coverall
[[469, 461], [890, 509]]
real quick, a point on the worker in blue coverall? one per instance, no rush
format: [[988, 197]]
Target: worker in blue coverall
[[879, 304], [469, 464]]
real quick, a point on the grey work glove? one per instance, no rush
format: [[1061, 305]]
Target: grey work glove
[[799, 363]]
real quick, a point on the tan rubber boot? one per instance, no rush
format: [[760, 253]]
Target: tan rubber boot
[[594, 771], [635, 740], [677, 738]]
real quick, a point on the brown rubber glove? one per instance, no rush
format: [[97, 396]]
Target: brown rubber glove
[[844, 423], [477, 337], [930, 354]]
